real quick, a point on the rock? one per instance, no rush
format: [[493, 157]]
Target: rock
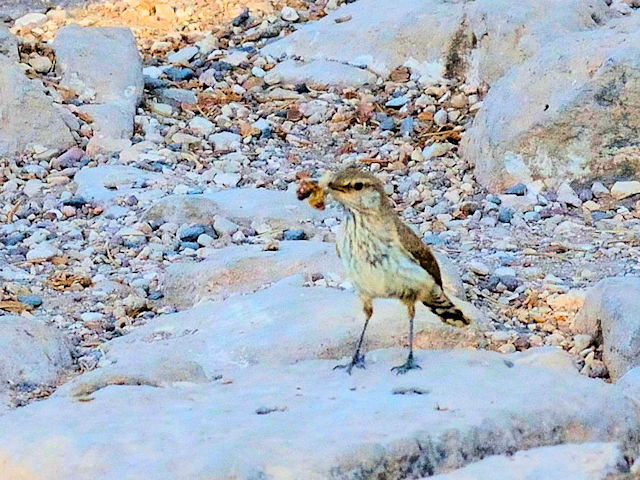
[[397, 102], [567, 195], [178, 353], [32, 354], [29, 120], [538, 143], [478, 268], [518, 189], [31, 300], [436, 150], [102, 145], [224, 226], [8, 45], [585, 461], [505, 214], [609, 314], [103, 66], [622, 190], [225, 141], [32, 187], [440, 117], [178, 95], [103, 183], [201, 126], [294, 235], [42, 251], [323, 72], [183, 55], [104, 61], [31, 20], [382, 39], [227, 179], [289, 14], [630, 383], [40, 64]]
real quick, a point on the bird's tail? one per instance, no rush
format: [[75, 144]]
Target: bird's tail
[[449, 313]]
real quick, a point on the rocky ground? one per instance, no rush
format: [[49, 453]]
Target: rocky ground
[[152, 240]]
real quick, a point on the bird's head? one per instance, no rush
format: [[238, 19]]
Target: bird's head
[[356, 189]]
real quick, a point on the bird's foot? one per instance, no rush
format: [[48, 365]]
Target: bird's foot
[[356, 361], [410, 364]]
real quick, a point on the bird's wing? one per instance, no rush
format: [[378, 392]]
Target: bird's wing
[[338, 250], [419, 251]]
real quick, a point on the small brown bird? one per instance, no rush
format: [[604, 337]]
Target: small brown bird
[[383, 257]]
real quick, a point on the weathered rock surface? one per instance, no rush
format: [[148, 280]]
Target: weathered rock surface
[[479, 40], [28, 120], [611, 313], [104, 183], [32, 354], [103, 66], [324, 72], [265, 421], [585, 461], [279, 208], [570, 112], [8, 44]]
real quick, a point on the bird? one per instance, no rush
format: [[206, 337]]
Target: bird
[[383, 257]]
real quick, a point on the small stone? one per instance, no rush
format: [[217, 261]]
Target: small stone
[[227, 179], [91, 317], [224, 226], [294, 235], [205, 240], [622, 190], [494, 199], [191, 234], [289, 14], [582, 341], [31, 300], [163, 109], [242, 18], [272, 78], [436, 150], [225, 141], [201, 126], [40, 64], [189, 245], [507, 348], [568, 196], [31, 19], [32, 187], [518, 189], [43, 251], [505, 214], [459, 100], [599, 189], [478, 267], [178, 95], [440, 118], [68, 211], [387, 123], [432, 239], [178, 74], [532, 216], [182, 55], [397, 102], [406, 127]]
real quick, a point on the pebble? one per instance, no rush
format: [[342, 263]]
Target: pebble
[[440, 118], [294, 235], [31, 300], [224, 226], [191, 234], [518, 189], [42, 251], [478, 267], [201, 126], [407, 126], [505, 214], [567, 195], [205, 240], [397, 102], [289, 14], [182, 55], [436, 150]]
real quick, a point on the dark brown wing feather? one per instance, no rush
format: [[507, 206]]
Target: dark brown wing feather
[[419, 250]]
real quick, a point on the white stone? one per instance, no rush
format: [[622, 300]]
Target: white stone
[[622, 190], [225, 141], [224, 226], [183, 55], [42, 251], [31, 20], [568, 196], [289, 14], [201, 126], [323, 72]]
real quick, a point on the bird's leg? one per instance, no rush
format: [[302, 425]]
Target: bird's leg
[[410, 364], [358, 359]]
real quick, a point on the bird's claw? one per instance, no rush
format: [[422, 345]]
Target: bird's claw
[[410, 364], [356, 361]]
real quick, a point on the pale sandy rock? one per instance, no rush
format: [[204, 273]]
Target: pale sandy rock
[[105, 182], [261, 420], [621, 190], [580, 461], [320, 71], [30, 122], [8, 44], [527, 126], [610, 314]]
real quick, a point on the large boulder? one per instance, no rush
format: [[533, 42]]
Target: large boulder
[[570, 112], [164, 419], [31, 354], [28, 119], [103, 66], [478, 39], [611, 313], [8, 44]]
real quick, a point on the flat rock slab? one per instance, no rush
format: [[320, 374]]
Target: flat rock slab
[[284, 323], [586, 461], [245, 268], [28, 119], [32, 353], [245, 205], [104, 183], [309, 421]]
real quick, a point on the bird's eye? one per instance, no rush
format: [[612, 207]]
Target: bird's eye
[[358, 186]]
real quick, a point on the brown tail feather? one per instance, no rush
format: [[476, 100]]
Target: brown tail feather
[[442, 306]]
